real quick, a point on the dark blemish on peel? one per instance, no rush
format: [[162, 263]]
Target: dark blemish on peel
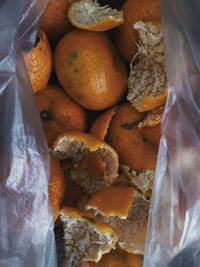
[[76, 70], [145, 140], [73, 56], [130, 125]]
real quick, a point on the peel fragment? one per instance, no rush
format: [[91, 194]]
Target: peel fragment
[[89, 15], [147, 82]]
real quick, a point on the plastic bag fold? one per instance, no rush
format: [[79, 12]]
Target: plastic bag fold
[[174, 222], [26, 223]]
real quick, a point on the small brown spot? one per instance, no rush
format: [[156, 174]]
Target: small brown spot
[[76, 70]]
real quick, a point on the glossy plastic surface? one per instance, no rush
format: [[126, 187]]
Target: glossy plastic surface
[[26, 223]]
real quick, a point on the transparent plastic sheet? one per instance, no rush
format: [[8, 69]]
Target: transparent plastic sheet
[[174, 223], [26, 223]]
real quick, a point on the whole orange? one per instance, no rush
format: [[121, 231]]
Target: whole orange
[[59, 113], [125, 137], [134, 11], [89, 69], [55, 21], [39, 63]]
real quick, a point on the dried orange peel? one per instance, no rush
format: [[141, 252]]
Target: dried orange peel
[[100, 126], [89, 15], [85, 237], [118, 258], [142, 181], [153, 118], [147, 80], [120, 199], [94, 164], [39, 63], [150, 127], [56, 187], [132, 230]]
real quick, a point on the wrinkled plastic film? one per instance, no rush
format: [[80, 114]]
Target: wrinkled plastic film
[[26, 223], [174, 229]]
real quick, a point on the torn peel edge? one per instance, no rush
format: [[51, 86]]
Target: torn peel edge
[[151, 102], [89, 15]]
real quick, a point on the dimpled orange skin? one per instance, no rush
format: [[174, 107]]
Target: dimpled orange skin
[[134, 11], [118, 258], [39, 63], [89, 69], [124, 136], [55, 21], [56, 187], [152, 134], [100, 125], [64, 114]]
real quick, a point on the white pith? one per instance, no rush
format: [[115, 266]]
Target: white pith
[[75, 151], [89, 12], [153, 118], [83, 241], [147, 77], [128, 228]]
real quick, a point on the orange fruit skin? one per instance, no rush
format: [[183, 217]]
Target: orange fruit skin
[[100, 125], [124, 136], [56, 187], [151, 102], [73, 193], [39, 63], [65, 114], [118, 258], [134, 10], [152, 134], [55, 21], [89, 69]]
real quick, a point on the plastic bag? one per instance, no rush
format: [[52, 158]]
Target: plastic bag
[[26, 223], [174, 229]]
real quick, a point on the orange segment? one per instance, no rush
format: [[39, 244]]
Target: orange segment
[[101, 124], [112, 201], [118, 258], [39, 63], [89, 15]]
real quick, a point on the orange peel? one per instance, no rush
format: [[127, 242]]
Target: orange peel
[[89, 15], [147, 80], [94, 164]]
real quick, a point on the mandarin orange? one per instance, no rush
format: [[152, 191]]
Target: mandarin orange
[[89, 69]]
